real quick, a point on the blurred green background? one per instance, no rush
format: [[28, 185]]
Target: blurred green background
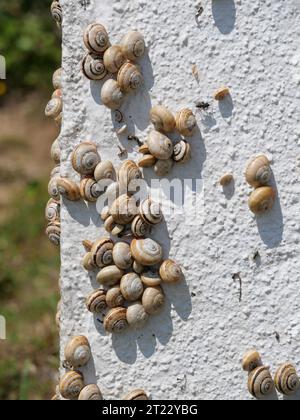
[[29, 264]]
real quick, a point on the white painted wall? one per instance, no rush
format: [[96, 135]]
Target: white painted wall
[[193, 349]]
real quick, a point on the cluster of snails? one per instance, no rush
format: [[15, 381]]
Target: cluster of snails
[[56, 12], [103, 59], [260, 381], [158, 151], [54, 107], [258, 174]]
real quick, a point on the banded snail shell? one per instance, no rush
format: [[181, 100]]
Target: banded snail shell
[[96, 38], [93, 67], [123, 209], [110, 276], [153, 300], [87, 262], [133, 45], [286, 379], [258, 172], [85, 158], [113, 228], [139, 227], [55, 151], [122, 256], [131, 287], [151, 278], [105, 170], [150, 212], [113, 58], [68, 189], [262, 199], [54, 107], [112, 95], [147, 161], [138, 268], [57, 79], [129, 174], [170, 272], [96, 301], [251, 360], [137, 317], [90, 190], [159, 145], [137, 394], [52, 212], [115, 320], [77, 351], [56, 12], [129, 78], [114, 297], [260, 382], [162, 119], [186, 122], [144, 149], [90, 393], [163, 167], [146, 252], [71, 384], [53, 189], [102, 252], [53, 233], [182, 152]]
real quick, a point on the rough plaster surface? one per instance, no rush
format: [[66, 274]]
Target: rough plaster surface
[[193, 349]]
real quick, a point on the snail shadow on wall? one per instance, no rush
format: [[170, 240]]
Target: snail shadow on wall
[[224, 14], [293, 397], [84, 213]]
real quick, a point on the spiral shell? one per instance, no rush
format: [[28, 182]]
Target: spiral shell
[[96, 38], [105, 170], [159, 145], [131, 287], [251, 360], [260, 382], [55, 151], [186, 122], [68, 189], [113, 228], [147, 161], [136, 395], [56, 12], [93, 67], [114, 297], [90, 190], [53, 189], [109, 276], [71, 385], [137, 317], [115, 321], [170, 272], [129, 78], [153, 300], [85, 158], [262, 199], [162, 119], [54, 107], [53, 233], [77, 352], [286, 379], [258, 172], [112, 95], [150, 212], [87, 262], [133, 45], [57, 79], [52, 211], [96, 301], [182, 152], [123, 209], [151, 278], [163, 167], [102, 252], [122, 256], [146, 252], [129, 174], [90, 393], [139, 227], [113, 58]]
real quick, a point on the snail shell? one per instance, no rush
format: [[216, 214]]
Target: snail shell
[[123, 209], [226, 179], [77, 352], [147, 161], [186, 122], [113, 228], [57, 94], [163, 167], [262, 199], [55, 173], [105, 170], [96, 301], [71, 384], [112, 95], [53, 233], [144, 149], [170, 272], [115, 321], [159, 145], [53, 189], [93, 67], [150, 212], [102, 252], [68, 189], [286, 379], [96, 38], [129, 78], [146, 252], [57, 79], [151, 278], [182, 152], [90, 190], [114, 297], [122, 256], [133, 45], [90, 393], [131, 287], [109, 276], [251, 360], [162, 119], [138, 268], [88, 262], [85, 158], [221, 93], [104, 213], [56, 12], [113, 58], [137, 394], [153, 300], [54, 107], [139, 227], [258, 171], [55, 151], [129, 172], [137, 317], [52, 212], [260, 382]]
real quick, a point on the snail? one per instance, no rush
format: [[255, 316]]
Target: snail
[[163, 167], [260, 382], [85, 158], [110, 275], [95, 38], [151, 278], [135, 395], [96, 301], [129, 174], [114, 297], [104, 213], [258, 171], [136, 315], [55, 152], [133, 45], [77, 352], [146, 252], [131, 287], [150, 212], [129, 78], [115, 320], [186, 122], [262, 199], [89, 190], [68, 189], [123, 209], [52, 212], [56, 79], [113, 58], [162, 119], [226, 179], [57, 94], [56, 12], [170, 272], [53, 233], [114, 228], [139, 227], [153, 300], [105, 170], [159, 145], [122, 256], [53, 189], [251, 360], [286, 379], [102, 252], [182, 152], [54, 107], [71, 385], [90, 393], [55, 172], [147, 161], [221, 93], [112, 95], [87, 262], [144, 149], [138, 268], [93, 67]]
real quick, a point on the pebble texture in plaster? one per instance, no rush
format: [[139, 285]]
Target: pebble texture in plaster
[[193, 349]]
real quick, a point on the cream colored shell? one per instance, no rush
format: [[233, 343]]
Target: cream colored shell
[[68, 189], [105, 170], [150, 277], [129, 175], [114, 297], [122, 255], [159, 145], [170, 272], [85, 158], [153, 300], [96, 38], [77, 352], [123, 209], [55, 152], [258, 172], [90, 190], [54, 107], [101, 251], [162, 119], [90, 393], [93, 67], [135, 395], [139, 227], [286, 379], [96, 301], [226, 179], [260, 382], [133, 45], [112, 95], [186, 122], [146, 252], [53, 232], [52, 212], [131, 287], [57, 79], [137, 317], [129, 78], [115, 320], [182, 152], [251, 360], [113, 58], [147, 161], [71, 385], [109, 276], [150, 212]]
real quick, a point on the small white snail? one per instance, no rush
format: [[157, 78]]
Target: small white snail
[[68, 189], [159, 145], [129, 78], [150, 277], [56, 79], [260, 382], [133, 45], [258, 171], [53, 233], [113, 58], [150, 212], [139, 227], [109, 276], [170, 272], [122, 255], [131, 287], [54, 107], [112, 95], [123, 209], [251, 360], [96, 301], [146, 252], [286, 379], [262, 199], [105, 170], [89, 190], [77, 352], [182, 152], [102, 252], [137, 317], [162, 119], [85, 158], [186, 122], [90, 393], [147, 161], [114, 297], [115, 320], [129, 174], [55, 152], [153, 300], [96, 38]]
